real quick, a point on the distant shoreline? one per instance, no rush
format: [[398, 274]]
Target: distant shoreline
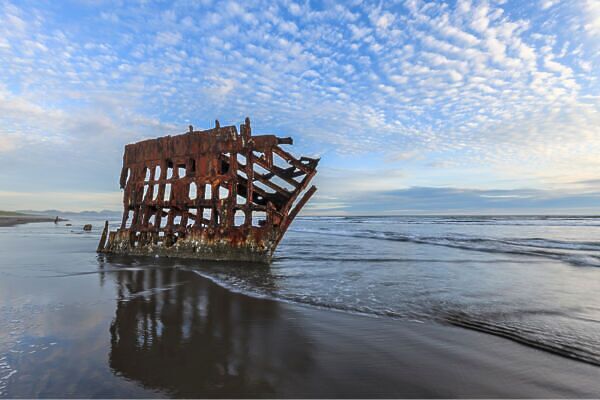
[[12, 220]]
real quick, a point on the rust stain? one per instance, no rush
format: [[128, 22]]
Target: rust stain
[[217, 194]]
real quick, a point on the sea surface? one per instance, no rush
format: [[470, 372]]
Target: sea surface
[[533, 279]]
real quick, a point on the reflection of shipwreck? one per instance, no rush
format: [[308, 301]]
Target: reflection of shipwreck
[[184, 337], [212, 194]]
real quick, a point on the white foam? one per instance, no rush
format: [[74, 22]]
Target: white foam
[[11, 373]]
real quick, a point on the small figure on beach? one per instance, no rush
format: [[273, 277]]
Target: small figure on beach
[[87, 227], [56, 220]]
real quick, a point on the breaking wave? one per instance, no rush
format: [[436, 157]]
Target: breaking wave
[[566, 251], [529, 337], [562, 221]]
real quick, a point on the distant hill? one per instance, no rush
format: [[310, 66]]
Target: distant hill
[[86, 214], [10, 214]]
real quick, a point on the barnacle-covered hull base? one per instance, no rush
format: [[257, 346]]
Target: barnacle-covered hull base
[[215, 195]]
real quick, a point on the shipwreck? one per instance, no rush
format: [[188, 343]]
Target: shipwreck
[[216, 194]]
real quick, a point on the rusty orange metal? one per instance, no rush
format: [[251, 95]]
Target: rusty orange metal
[[216, 194]]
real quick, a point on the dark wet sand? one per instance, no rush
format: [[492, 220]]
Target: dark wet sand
[[23, 219], [75, 325], [362, 358], [210, 342]]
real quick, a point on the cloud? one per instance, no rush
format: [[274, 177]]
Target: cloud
[[445, 200], [69, 201], [591, 10], [460, 35], [545, 4], [167, 38], [295, 9], [8, 143], [480, 19], [384, 20], [482, 84]]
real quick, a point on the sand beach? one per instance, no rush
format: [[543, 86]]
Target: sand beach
[[13, 218], [77, 324]]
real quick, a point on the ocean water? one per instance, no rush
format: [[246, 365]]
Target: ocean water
[[535, 280], [531, 279]]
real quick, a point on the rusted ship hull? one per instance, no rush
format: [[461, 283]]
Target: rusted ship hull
[[215, 195]]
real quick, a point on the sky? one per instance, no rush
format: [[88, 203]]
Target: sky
[[415, 107]]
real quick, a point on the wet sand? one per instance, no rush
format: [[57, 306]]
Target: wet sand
[[248, 347], [73, 324], [12, 220], [363, 358]]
